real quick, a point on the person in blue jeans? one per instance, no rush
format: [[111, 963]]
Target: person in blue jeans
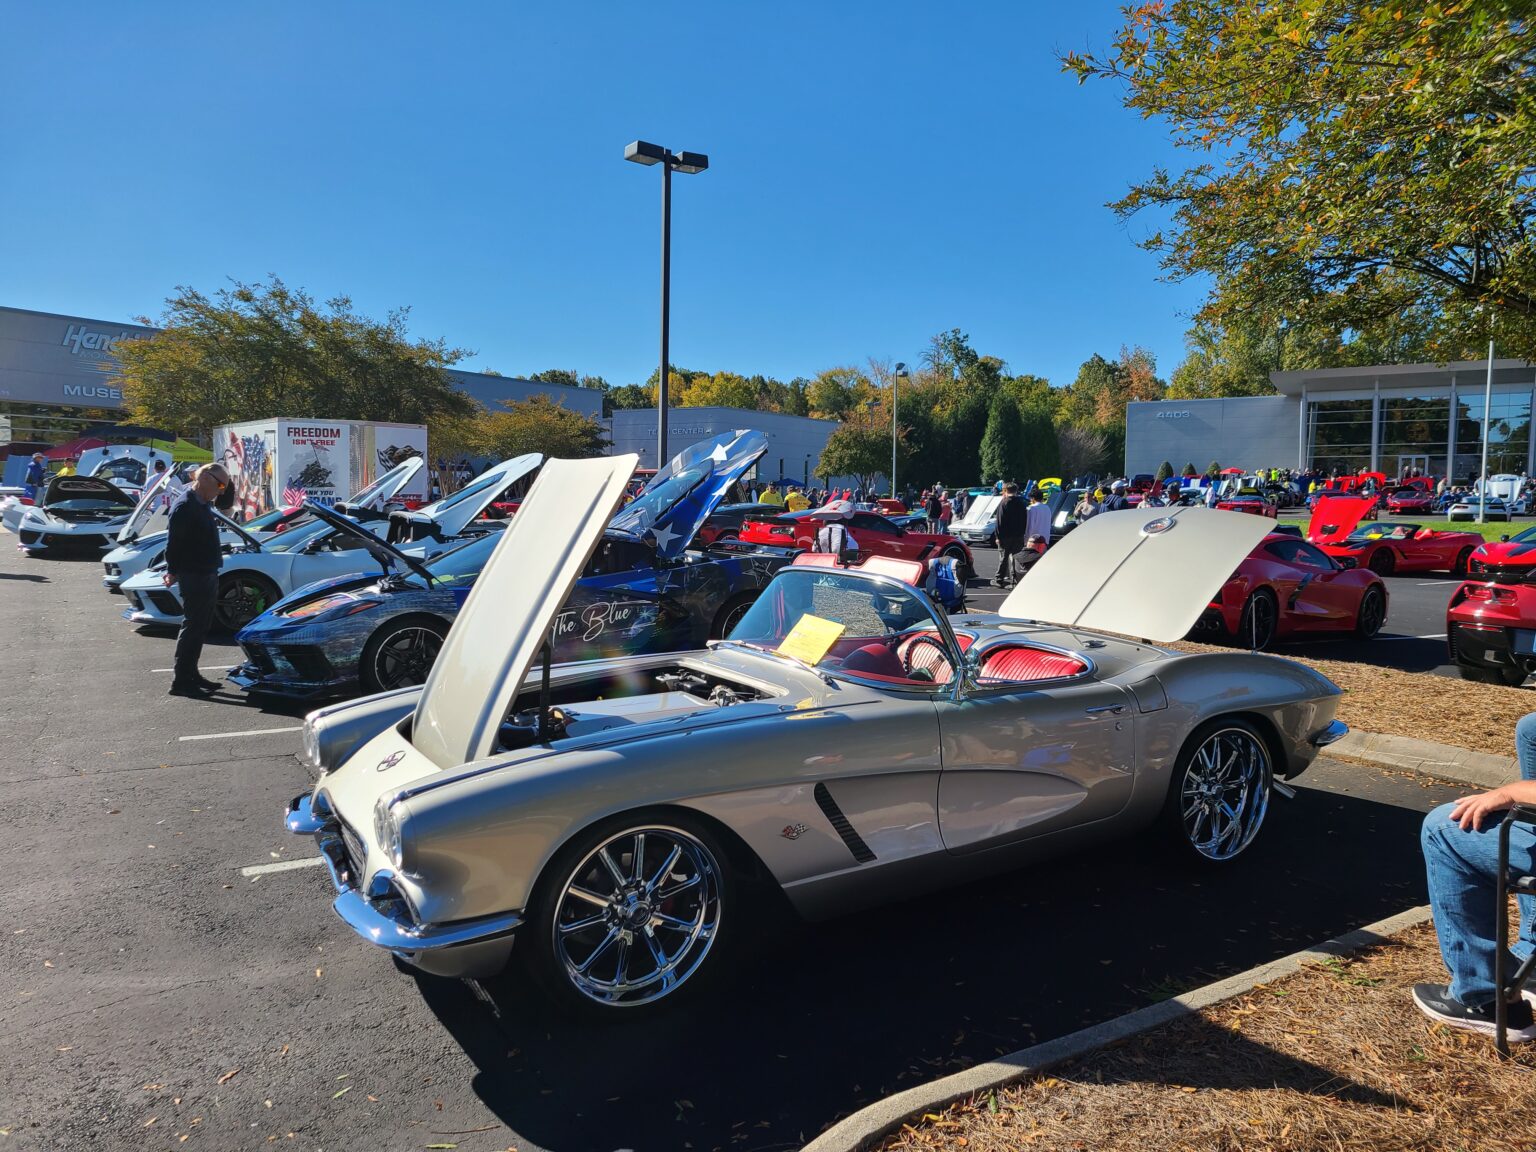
[[1461, 852]]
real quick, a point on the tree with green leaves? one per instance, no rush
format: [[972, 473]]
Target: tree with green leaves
[[861, 448], [570, 378], [1164, 470], [257, 350], [1354, 159], [513, 427], [1190, 470], [1002, 445], [1214, 468]]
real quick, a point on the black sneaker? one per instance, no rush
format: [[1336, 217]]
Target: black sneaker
[[1436, 1002], [191, 691], [209, 686]]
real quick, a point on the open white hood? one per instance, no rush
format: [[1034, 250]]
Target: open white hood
[[506, 619], [385, 488], [453, 514], [1146, 572], [151, 508]]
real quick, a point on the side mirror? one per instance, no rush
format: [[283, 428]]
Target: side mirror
[[1503, 538], [972, 665]]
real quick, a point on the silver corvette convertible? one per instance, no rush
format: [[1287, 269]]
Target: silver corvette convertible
[[848, 742]]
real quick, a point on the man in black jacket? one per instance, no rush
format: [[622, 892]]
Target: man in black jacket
[[192, 559], [1012, 522]]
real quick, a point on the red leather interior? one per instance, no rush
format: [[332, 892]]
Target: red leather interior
[[814, 560], [877, 660], [1020, 664], [907, 571]]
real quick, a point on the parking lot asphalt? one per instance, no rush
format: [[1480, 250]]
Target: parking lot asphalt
[[165, 977]]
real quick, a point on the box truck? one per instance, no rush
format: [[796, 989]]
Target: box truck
[[283, 460]]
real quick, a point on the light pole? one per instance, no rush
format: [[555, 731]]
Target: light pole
[[1482, 493], [897, 376], [642, 153]]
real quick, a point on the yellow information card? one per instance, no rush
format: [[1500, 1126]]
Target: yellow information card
[[810, 638]]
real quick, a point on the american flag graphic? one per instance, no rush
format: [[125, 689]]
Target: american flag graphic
[[292, 496]]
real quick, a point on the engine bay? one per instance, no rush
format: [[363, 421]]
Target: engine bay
[[619, 700]]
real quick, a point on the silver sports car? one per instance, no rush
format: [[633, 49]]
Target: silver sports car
[[847, 742]]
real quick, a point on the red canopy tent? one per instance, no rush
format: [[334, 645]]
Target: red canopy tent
[[73, 449]]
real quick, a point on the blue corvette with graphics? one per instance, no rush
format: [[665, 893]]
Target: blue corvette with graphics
[[644, 590]]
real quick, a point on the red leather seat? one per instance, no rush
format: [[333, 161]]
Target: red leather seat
[[877, 660], [1019, 664]]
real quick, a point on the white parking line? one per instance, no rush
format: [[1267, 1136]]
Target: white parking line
[[1426, 636], [282, 866], [1433, 584], [202, 668], [251, 732]]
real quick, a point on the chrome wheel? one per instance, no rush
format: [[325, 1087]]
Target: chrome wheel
[[1224, 793], [404, 657], [637, 916]]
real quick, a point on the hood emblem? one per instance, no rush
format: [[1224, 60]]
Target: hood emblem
[[391, 760], [1158, 527]]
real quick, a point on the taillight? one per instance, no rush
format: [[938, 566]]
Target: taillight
[[1490, 594]]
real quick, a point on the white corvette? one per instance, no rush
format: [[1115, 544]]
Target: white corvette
[[75, 512], [141, 543], [260, 573]]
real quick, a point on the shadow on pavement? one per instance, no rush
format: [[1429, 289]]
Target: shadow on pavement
[[24, 576], [826, 1018], [1408, 654]]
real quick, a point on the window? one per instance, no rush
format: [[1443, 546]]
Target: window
[[1413, 426], [1509, 433], [1341, 435]]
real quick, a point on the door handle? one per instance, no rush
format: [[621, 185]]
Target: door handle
[[1113, 709]]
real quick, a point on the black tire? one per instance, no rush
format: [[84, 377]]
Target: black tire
[[729, 534], [401, 652], [957, 554], [1463, 565], [1482, 674], [629, 916], [729, 615], [1371, 615], [1180, 819], [1382, 562], [1260, 618], [242, 596]]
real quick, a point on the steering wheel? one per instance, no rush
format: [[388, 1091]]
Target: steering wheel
[[923, 673]]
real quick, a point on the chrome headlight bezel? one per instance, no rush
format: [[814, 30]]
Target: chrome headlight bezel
[[388, 831], [310, 753]]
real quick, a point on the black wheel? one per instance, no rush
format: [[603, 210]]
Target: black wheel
[[1382, 562], [631, 913], [1372, 614], [957, 554], [242, 597], [1481, 674], [401, 653], [1256, 629], [728, 534], [729, 616], [1219, 794], [1463, 564]]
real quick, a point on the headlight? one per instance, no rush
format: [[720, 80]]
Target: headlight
[[386, 829], [311, 752]]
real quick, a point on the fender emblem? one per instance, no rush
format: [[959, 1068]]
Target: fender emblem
[[391, 760], [794, 831]]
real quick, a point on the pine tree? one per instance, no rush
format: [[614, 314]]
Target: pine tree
[[1002, 445]]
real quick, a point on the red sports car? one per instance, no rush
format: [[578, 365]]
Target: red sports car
[[875, 534], [1287, 587], [1414, 501], [1387, 548], [1248, 501]]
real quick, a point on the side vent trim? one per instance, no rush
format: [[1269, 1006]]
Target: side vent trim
[[840, 825]]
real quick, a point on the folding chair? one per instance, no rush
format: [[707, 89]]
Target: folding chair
[[1505, 883]]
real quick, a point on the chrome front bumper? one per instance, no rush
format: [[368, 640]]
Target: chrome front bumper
[[464, 948], [1335, 731]]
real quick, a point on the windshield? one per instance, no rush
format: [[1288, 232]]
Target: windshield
[[1384, 532], [844, 623], [457, 567], [270, 520], [642, 512], [473, 491], [126, 469], [296, 537]]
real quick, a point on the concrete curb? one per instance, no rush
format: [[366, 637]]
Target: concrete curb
[[868, 1125], [1428, 758]]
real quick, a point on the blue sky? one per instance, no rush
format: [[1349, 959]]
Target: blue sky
[[879, 172]]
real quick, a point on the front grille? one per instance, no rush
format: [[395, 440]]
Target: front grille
[[259, 656], [357, 854], [309, 662], [28, 537], [165, 603], [134, 602], [113, 569]]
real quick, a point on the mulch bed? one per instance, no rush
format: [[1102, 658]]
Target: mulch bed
[[1419, 705], [1335, 1057]]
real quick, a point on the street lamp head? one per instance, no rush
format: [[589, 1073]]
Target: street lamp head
[[900, 371], [642, 153], [690, 162]]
